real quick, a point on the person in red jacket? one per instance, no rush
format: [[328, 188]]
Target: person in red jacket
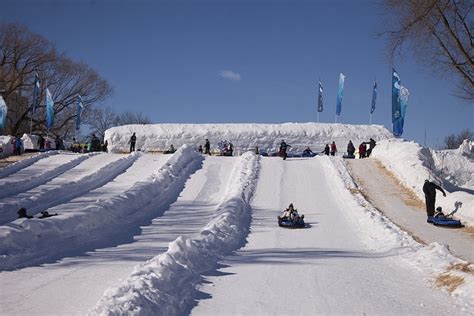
[[362, 150], [333, 149]]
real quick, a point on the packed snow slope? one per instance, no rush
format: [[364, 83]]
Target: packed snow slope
[[451, 169], [349, 260], [267, 137]]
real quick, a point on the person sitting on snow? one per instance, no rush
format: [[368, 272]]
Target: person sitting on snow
[[307, 152], [22, 213], [287, 212]]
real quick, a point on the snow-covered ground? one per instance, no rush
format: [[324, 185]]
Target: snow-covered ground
[[245, 137], [452, 169], [185, 233]]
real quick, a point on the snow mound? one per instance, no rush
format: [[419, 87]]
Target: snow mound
[[164, 284], [245, 137], [29, 241], [452, 169], [381, 234]]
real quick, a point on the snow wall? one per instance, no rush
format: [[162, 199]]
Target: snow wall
[[245, 137]]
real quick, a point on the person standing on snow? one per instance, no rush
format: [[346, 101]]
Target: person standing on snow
[[429, 189], [371, 147], [283, 148], [362, 150], [326, 150], [207, 147], [132, 142], [333, 148], [350, 148]]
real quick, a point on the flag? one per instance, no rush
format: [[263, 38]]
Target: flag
[[374, 98], [320, 97], [36, 93], [403, 97], [340, 93], [79, 109], [49, 110], [396, 109], [3, 113]]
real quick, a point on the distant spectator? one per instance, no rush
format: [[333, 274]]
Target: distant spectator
[[41, 142], [105, 145], [350, 148], [326, 150], [200, 149], [371, 147], [333, 148], [257, 152], [132, 142], [18, 146], [59, 143], [231, 149], [362, 150], [95, 143], [207, 147], [22, 213]]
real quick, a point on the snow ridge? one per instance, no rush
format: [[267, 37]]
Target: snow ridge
[[381, 234], [14, 167], [164, 285], [30, 241]]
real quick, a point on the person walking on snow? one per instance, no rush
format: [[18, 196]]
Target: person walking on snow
[[132, 142], [333, 148], [371, 147], [429, 189], [362, 150], [350, 148], [326, 150]]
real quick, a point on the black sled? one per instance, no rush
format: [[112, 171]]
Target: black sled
[[287, 223]]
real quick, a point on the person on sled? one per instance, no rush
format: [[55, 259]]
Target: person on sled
[[283, 148], [308, 152], [290, 214]]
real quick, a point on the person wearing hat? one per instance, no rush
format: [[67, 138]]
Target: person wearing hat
[[429, 189]]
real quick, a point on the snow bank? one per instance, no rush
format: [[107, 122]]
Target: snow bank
[[6, 145], [29, 241], [453, 170], [164, 284], [30, 142], [245, 137], [380, 234], [14, 167]]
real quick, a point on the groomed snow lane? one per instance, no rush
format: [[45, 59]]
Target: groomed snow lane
[[323, 269], [80, 281]]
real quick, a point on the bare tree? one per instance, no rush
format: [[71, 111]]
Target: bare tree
[[453, 141], [439, 33], [101, 119], [22, 54], [132, 118]]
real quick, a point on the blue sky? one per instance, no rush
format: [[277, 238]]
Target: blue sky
[[244, 61]]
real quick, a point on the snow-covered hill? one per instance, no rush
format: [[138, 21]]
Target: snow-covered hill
[[245, 137]]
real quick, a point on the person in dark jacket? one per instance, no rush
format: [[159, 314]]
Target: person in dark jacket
[[45, 214], [22, 213], [350, 148], [429, 189], [326, 150], [308, 152], [41, 142], [207, 147], [133, 140], [371, 146], [283, 148]]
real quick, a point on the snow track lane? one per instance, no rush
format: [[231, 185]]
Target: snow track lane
[[103, 217], [39, 172], [88, 175], [323, 269], [82, 280], [15, 167]]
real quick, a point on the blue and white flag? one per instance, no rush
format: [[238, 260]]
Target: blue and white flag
[[320, 97], [49, 110], [374, 98], [403, 97], [79, 109], [36, 93], [3, 113], [340, 93], [397, 122]]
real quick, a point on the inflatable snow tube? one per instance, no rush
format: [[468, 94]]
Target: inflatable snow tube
[[445, 222], [290, 224]]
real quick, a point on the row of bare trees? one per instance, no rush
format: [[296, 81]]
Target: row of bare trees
[[24, 53], [440, 34]]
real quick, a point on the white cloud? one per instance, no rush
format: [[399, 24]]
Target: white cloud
[[229, 74]]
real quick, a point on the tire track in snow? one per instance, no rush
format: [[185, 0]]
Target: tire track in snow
[[15, 167], [88, 175]]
